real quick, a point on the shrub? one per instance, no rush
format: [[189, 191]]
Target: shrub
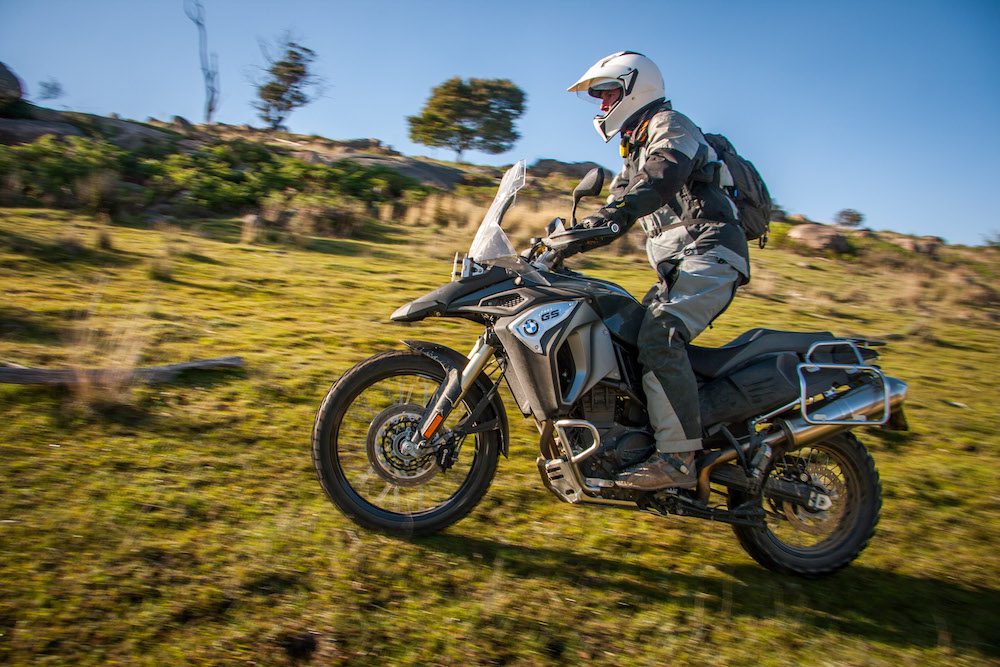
[[104, 241], [61, 168], [225, 177], [161, 269], [318, 214]]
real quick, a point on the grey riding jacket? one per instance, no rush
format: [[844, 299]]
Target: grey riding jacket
[[672, 183]]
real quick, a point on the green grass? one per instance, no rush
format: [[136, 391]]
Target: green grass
[[183, 523]]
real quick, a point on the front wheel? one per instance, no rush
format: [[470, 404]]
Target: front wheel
[[813, 543], [370, 411]]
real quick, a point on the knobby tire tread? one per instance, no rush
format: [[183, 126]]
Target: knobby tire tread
[[755, 541], [452, 512]]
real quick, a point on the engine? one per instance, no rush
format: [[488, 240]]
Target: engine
[[626, 438]]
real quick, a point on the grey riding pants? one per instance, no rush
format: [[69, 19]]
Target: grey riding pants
[[691, 293]]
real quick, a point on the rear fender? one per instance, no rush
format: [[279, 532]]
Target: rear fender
[[451, 359]]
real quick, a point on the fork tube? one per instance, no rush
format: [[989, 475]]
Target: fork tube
[[453, 389], [479, 357]]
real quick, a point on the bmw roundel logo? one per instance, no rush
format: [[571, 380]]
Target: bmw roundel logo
[[530, 327]]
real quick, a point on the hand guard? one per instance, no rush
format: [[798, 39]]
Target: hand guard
[[591, 222], [614, 214], [614, 220]]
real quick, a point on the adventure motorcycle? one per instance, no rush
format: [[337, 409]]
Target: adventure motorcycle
[[408, 441]]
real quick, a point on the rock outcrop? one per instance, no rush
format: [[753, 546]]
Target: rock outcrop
[[10, 87], [18, 131], [819, 237], [545, 167], [922, 245], [428, 173], [126, 134]]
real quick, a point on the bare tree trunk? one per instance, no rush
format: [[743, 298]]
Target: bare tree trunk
[[209, 66]]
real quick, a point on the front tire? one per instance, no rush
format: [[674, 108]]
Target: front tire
[[368, 409], [813, 544]]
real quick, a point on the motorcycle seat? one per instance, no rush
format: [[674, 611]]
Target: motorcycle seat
[[712, 362]]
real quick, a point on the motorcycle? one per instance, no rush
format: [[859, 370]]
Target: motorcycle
[[408, 441]]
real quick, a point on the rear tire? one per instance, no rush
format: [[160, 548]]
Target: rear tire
[[849, 474], [333, 448]]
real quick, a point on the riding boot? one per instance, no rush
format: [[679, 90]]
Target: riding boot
[[661, 471]]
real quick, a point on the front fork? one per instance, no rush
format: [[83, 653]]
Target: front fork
[[455, 386]]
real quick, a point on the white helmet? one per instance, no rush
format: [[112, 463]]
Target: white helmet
[[637, 76]]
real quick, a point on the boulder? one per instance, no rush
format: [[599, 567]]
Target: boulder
[[10, 87], [131, 136], [182, 124], [122, 133], [361, 144], [923, 245], [309, 157], [42, 113], [428, 173], [819, 237], [545, 167], [798, 219], [16, 131]]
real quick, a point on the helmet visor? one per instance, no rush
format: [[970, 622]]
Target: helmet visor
[[607, 94], [599, 89]]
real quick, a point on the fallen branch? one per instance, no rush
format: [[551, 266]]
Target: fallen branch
[[12, 374]]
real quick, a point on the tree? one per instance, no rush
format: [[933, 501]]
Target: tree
[[477, 113], [49, 90], [288, 84], [209, 65], [849, 217]]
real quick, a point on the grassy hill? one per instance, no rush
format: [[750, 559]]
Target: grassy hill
[[183, 523]]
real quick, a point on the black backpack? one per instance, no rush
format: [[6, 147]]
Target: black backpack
[[748, 190]]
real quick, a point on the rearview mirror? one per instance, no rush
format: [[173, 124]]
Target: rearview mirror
[[590, 186]]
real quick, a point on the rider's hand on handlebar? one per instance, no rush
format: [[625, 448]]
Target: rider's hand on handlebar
[[591, 222]]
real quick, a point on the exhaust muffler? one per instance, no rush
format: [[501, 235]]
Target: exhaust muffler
[[860, 404]]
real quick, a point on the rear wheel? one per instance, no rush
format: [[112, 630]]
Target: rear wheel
[[813, 543], [358, 451]]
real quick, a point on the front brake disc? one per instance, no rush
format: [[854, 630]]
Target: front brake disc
[[386, 433]]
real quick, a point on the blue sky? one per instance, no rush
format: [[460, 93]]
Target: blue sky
[[887, 107]]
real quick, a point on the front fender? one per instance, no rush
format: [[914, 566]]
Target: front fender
[[448, 359]]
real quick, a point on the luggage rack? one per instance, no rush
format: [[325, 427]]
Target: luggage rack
[[811, 366]]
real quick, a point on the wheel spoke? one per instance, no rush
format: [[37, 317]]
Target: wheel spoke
[[797, 526], [374, 428]]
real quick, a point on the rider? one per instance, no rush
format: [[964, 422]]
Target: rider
[[672, 183]]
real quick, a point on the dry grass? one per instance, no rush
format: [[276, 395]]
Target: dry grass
[[196, 533], [764, 284], [909, 290], [250, 229], [112, 345]]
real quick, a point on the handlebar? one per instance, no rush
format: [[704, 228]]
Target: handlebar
[[547, 252]]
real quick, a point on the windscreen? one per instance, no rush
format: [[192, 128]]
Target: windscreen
[[491, 244]]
